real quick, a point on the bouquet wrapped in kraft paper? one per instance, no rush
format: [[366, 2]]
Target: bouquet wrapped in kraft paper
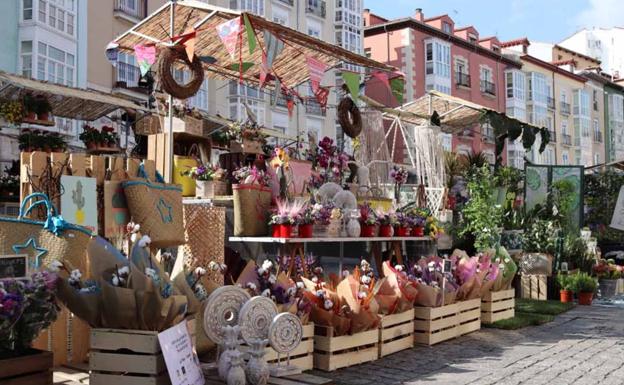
[[404, 289], [506, 266], [270, 280], [489, 272], [435, 286], [465, 272]]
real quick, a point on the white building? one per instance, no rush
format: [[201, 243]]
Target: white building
[[604, 44]]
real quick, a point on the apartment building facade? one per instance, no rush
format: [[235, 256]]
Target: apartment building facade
[[603, 44], [436, 55]]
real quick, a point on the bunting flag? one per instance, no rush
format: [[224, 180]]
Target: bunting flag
[[145, 57], [382, 77], [274, 47], [321, 96], [316, 69], [251, 36], [228, 33], [352, 80], [264, 70], [290, 104], [237, 68], [396, 85], [189, 43], [276, 92]]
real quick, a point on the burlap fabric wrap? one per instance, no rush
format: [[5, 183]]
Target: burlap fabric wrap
[[157, 207], [57, 240], [251, 208]]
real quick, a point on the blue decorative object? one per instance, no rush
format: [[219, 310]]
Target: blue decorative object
[[31, 242], [164, 209]]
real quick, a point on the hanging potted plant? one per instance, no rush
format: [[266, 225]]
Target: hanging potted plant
[[57, 144], [368, 221], [209, 180], [42, 108], [585, 287], [25, 140], [566, 284]]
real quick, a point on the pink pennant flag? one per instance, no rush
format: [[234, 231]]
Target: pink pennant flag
[[264, 70], [228, 33], [383, 78], [316, 68], [145, 57]]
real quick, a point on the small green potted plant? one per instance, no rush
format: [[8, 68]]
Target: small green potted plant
[[42, 108], [585, 287], [90, 137], [566, 284]]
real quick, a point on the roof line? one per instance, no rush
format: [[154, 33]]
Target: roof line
[[552, 67], [577, 53]]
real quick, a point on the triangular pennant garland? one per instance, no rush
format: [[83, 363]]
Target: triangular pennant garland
[[277, 92], [228, 33], [321, 96], [396, 85], [382, 77], [316, 68], [274, 47], [145, 57], [251, 35], [352, 80], [189, 45], [237, 68]]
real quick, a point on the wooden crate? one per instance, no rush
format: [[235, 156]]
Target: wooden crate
[[331, 353], [129, 357], [498, 305], [303, 356], [469, 316], [158, 149], [433, 325], [534, 287], [396, 333], [31, 369]]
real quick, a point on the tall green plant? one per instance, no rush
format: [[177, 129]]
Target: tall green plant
[[482, 216]]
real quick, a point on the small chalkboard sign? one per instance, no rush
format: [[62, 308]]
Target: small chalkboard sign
[[447, 265], [14, 266]]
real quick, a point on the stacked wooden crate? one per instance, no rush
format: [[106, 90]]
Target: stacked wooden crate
[[433, 325], [333, 353], [469, 316], [498, 305], [396, 332]]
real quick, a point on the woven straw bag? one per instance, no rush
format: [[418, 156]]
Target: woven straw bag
[[157, 207], [251, 208], [52, 239]]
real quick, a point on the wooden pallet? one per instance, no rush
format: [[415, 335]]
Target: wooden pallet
[[433, 325], [469, 316], [331, 353], [303, 355], [534, 287], [498, 305], [396, 333], [30, 369], [129, 357]]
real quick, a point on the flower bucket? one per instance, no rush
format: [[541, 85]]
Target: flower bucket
[[386, 230], [418, 231], [305, 231], [286, 230], [276, 231], [585, 298], [368, 231], [565, 296], [402, 231]]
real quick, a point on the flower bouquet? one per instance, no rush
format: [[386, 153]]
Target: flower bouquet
[[285, 217], [429, 277], [403, 225], [368, 220], [305, 222], [488, 272], [329, 161], [387, 220], [82, 297], [466, 275], [506, 266], [209, 180]]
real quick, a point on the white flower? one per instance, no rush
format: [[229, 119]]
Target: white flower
[[267, 265], [291, 291], [251, 286], [200, 291], [300, 285], [434, 284], [266, 293], [507, 260], [364, 264], [76, 275], [145, 241], [323, 284], [501, 266], [320, 293], [261, 271], [213, 266], [151, 273], [328, 304], [166, 256], [223, 267], [272, 279], [200, 271], [136, 228], [315, 279], [124, 270], [365, 279], [115, 280], [56, 266], [362, 295], [399, 267], [133, 237]]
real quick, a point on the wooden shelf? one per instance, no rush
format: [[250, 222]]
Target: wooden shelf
[[48, 123], [326, 240], [104, 150]]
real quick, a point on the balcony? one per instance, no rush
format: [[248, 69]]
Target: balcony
[[131, 10], [462, 79], [597, 136], [313, 107], [565, 108], [551, 102], [487, 87], [127, 75], [317, 8], [553, 136], [287, 2], [566, 140]]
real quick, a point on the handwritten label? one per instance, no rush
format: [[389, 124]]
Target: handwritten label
[[14, 266], [180, 357]]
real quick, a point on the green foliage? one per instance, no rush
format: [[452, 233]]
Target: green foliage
[[575, 252], [481, 216], [565, 281], [473, 161], [453, 166], [584, 283], [601, 192], [539, 236], [562, 197]]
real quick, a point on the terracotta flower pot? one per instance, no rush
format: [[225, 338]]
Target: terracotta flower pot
[[585, 298], [368, 231], [418, 231], [385, 231], [276, 231], [31, 115], [305, 231], [286, 230], [565, 296], [402, 231], [43, 116], [91, 146]]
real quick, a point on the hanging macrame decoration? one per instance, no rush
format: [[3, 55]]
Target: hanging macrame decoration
[[349, 117], [167, 58]]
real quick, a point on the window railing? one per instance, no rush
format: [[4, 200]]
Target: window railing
[[462, 79], [312, 106], [598, 136], [551, 102], [289, 2], [553, 136], [488, 87], [127, 75], [565, 108], [317, 8], [134, 8], [566, 139]]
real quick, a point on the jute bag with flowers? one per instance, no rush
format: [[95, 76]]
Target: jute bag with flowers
[[252, 199], [157, 207]]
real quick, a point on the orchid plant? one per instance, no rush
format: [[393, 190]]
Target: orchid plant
[[331, 162], [367, 214]]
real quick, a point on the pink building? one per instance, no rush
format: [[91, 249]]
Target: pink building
[[436, 55]]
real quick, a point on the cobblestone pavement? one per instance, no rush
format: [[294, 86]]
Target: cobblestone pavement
[[582, 346]]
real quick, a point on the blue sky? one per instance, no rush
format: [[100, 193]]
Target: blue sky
[[539, 20]]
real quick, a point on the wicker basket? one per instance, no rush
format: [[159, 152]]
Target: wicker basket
[[210, 189]]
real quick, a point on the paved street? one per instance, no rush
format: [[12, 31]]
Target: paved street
[[582, 346]]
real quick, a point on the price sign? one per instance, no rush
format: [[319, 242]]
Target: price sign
[[14, 266]]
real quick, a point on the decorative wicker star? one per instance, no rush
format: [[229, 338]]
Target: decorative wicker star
[[19, 249], [165, 211]]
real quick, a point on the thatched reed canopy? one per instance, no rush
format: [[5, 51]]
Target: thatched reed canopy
[[290, 65], [66, 102]]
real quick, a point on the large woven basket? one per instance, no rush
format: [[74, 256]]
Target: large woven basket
[[65, 242], [157, 207], [251, 207]]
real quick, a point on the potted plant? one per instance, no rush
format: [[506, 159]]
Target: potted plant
[[566, 286], [585, 287], [209, 180], [322, 217], [387, 221], [305, 223], [402, 228], [109, 137], [368, 221], [30, 108], [608, 274], [90, 137], [57, 143], [285, 216], [42, 108]]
